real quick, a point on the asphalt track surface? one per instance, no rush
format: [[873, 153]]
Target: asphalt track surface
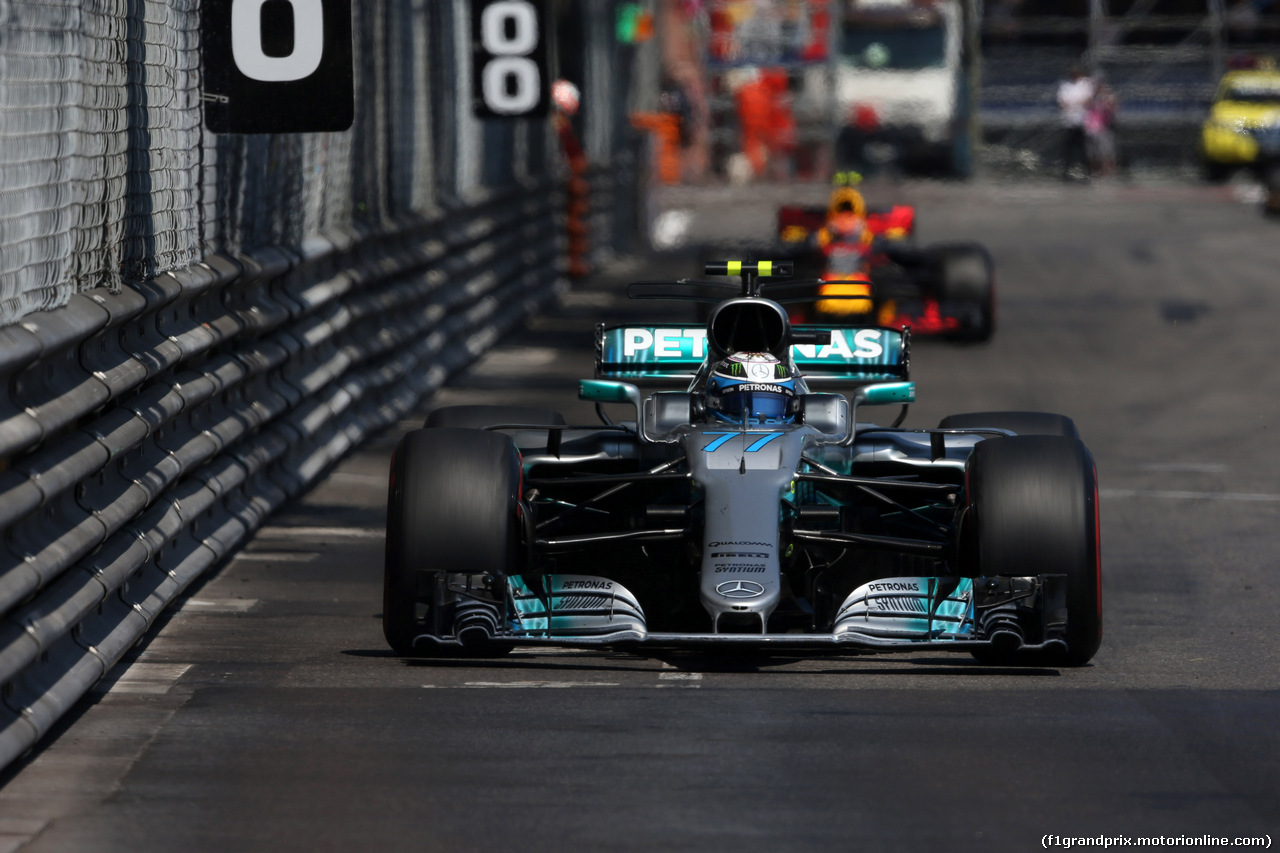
[[267, 713]]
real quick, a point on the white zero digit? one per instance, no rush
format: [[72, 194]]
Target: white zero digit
[[524, 94], [493, 28], [246, 41]]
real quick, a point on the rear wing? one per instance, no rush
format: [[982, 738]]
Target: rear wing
[[666, 352], [894, 222]]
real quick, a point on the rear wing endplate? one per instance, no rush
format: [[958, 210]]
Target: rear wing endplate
[[666, 352]]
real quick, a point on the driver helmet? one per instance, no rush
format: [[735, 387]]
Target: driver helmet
[[751, 387], [846, 200]]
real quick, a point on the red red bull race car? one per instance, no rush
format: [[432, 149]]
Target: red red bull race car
[[945, 290]]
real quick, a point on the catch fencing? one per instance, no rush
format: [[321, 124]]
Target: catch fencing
[[194, 327], [1161, 58]]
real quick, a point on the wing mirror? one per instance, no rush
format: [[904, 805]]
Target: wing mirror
[[885, 394], [609, 391]]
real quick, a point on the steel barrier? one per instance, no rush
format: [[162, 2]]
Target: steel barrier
[[146, 434]]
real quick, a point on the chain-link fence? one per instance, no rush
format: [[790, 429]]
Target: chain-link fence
[[194, 327], [1162, 59], [108, 175]]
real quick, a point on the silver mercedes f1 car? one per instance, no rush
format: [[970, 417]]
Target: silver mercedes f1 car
[[745, 509]]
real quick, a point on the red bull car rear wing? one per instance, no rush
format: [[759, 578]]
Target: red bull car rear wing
[[670, 351]]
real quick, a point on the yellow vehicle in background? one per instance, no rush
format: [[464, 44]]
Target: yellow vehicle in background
[[1247, 102]]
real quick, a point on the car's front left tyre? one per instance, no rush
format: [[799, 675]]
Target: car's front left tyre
[[452, 506]]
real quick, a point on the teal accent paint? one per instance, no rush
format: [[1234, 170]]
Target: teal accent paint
[[887, 394], [762, 442], [605, 391], [766, 437], [668, 351]]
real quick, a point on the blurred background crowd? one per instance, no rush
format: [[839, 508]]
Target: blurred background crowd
[[754, 90]]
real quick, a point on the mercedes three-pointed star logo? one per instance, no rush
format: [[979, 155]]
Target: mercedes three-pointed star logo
[[740, 589]]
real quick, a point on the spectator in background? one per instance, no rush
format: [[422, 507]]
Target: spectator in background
[[755, 114], [1099, 128], [782, 124], [765, 121], [1074, 96], [851, 145], [566, 98]]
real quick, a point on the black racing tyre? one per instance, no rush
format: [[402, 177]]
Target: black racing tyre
[[1033, 509], [1271, 181], [1214, 173], [1023, 423], [452, 505], [479, 417], [966, 274]]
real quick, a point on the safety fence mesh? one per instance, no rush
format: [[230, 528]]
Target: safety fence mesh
[[107, 174], [195, 326]]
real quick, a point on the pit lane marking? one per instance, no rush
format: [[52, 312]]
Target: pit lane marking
[[1188, 496]]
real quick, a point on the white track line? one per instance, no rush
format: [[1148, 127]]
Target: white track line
[[321, 532], [1187, 496], [143, 678], [353, 477], [540, 684], [219, 605], [278, 556], [15, 832]]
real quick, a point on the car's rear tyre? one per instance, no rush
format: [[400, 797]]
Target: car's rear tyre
[[479, 417], [966, 274], [452, 506], [1022, 423], [1033, 509], [1271, 182], [1214, 173]]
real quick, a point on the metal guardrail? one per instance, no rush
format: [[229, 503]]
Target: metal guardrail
[[146, 434]]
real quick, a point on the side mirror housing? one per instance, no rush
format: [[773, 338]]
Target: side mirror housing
[[827, 413], [885, 394], [608, 391]]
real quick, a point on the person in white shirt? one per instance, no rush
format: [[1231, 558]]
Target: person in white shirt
[[1074, 96]]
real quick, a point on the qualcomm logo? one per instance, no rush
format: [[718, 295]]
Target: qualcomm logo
[[740, 589]]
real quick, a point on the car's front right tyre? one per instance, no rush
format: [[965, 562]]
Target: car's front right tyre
[[1033, 510]]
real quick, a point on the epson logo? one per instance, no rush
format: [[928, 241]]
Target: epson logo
[[739, 555]]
